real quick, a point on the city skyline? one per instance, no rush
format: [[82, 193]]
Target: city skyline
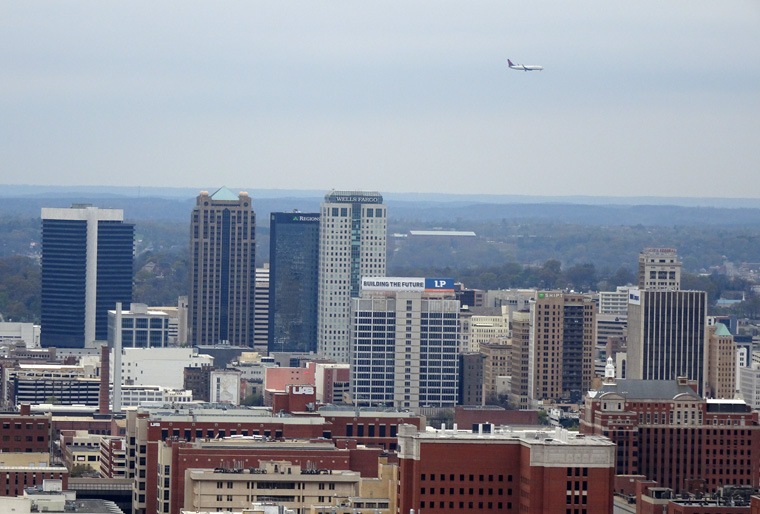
[[642, 99]]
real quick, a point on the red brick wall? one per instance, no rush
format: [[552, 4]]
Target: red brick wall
[[13, 481], [465, 418], [494, 477], [24, 434]]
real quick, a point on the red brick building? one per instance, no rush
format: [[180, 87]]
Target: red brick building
[[466, 416], [24, 432], [552, 472], [149, 428], [665, 431], [175, 457], [113, 457], [13, 480]]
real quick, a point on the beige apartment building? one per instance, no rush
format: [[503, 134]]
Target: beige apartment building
[[562, 337], [282, 482]]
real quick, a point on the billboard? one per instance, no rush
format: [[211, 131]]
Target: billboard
[[634, 296], [428, 285]]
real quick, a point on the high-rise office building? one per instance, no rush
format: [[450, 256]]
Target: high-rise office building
[[562, 338], [659, 269], [721, 362], [261, 309], [222, 269], [520, 360], [87, 261], [352, 242], [293, 275], [404, 338], [667, 327], [667, 335]]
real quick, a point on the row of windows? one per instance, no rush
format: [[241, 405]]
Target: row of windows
[[470, 505], [452, 478], [29, 426]]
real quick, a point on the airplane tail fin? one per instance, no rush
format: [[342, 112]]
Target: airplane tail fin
[[510, 62]]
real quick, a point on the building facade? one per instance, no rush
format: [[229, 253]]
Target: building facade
[[352, 244], [614, 302], [496, 363], [562, 338], [659, 269], [261, 309], [667, 335], [294, 279], [520, 360], [665, 431], [404, 344], [140, 327], [222, 269], [721, 362], [503, 470], [471, 378], [87, 261]]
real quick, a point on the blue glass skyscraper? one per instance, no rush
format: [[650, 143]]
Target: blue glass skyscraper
[[293, 281], [87, 266]]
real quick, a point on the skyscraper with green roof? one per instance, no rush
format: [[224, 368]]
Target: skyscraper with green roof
[[222, 269]]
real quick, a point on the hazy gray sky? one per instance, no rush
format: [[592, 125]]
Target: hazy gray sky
[[636, 98]]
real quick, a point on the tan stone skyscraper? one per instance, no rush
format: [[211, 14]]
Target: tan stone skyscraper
[[222, 269], [562, 338], [721, 362], [352, 244], [659, 269]]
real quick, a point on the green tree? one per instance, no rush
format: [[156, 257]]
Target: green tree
[[444, 416], [253, 399], [78, 470]]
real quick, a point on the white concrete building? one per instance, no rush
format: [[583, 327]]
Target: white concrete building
[[352, 244], [261, 309], [28, 333], [140, 327], [136, 395], [513, 299], [252, 366], [158, 366], [488, 329], [224, 387], [177, 335], [614, 302], [749, 385], [404, 342]]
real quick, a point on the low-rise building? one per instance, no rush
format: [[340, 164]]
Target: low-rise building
[[24, 432], [665, 431], [282, 482], [491, 469], [136, 395]]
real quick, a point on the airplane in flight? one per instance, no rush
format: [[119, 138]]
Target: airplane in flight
[[524, 67]]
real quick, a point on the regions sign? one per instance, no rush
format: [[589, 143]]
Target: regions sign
[[430, 285]]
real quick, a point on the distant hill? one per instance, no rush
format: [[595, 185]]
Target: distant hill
[[168, 204]]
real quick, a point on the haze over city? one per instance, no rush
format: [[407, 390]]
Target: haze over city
[[636, 99]]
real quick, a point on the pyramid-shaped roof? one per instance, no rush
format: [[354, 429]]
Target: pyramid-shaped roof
[[721, 330], [224, 195]]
